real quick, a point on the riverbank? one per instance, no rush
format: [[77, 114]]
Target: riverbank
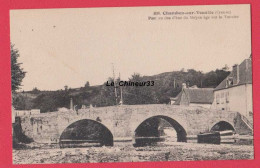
[[161, 152]]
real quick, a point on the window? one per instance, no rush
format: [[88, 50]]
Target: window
[[227, 97], [217, 98], [222, 94], [229, 82]]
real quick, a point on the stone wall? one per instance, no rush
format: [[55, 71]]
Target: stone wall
[[41, 127], [123, 120]]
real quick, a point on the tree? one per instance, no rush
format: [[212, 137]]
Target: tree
[[106, 95], [225, 68], [139, 94], [17, 73], [22, 101], [214, 78], [87, 84], [35, 90]]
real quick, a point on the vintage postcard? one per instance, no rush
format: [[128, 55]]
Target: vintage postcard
[[131, 84]]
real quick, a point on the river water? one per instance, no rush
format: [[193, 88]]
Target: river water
[[126, 152]]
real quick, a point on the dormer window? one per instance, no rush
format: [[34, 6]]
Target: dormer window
[[229, 82]]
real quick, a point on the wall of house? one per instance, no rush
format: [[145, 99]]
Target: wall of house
[[238, 98]]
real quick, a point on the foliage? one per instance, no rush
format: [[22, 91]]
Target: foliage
[[167, 85], [17, 73], [22, 101], [87, 84], [35, 90], [51, 101], [139, 94], [106, 95]]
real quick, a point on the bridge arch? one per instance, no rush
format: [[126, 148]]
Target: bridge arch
[[222, 126], [149, 128], [86, 132]]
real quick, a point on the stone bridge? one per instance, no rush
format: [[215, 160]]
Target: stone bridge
[[122, 121]]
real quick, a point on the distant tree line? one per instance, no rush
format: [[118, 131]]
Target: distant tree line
[[167, 85]]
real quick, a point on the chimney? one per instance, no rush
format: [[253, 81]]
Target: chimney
[[236, 74]]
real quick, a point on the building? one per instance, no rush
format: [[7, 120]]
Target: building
[[234, 93], [27, 112], [194, 96]]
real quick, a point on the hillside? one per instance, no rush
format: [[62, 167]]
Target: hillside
[[167, 84]]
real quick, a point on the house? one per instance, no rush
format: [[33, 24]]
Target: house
[[195, 96], [234, 93], [27, 112]]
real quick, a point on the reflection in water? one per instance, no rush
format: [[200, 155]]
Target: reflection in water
[[239, 141], [154, 141], [85, 133], [168, 136], [155, 130]]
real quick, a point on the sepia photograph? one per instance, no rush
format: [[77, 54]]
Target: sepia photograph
[[131, 84]]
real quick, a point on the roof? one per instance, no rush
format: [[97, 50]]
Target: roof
[[196, 95], [245, 76]]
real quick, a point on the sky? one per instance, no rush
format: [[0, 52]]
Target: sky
[[61, 47]]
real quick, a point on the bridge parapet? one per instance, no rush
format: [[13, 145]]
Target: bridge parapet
[[122, 121]]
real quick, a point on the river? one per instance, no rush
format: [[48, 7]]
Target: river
[[120, 152]]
